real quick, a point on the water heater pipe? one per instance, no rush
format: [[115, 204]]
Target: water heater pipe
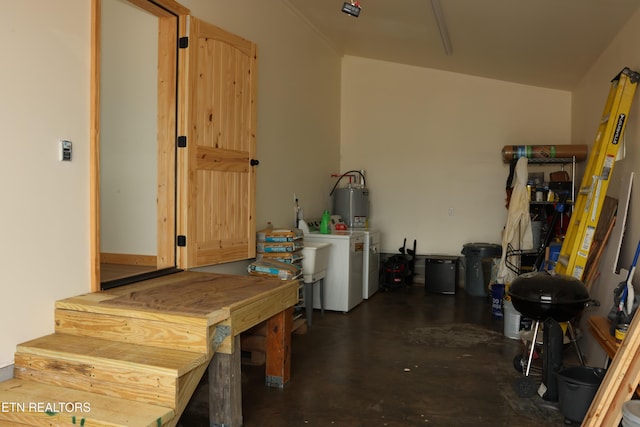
[[345, 174]]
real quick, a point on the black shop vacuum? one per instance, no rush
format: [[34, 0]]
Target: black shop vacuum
[[398, 270]]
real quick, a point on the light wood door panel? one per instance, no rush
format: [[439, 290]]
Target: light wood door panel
[[218, 181]]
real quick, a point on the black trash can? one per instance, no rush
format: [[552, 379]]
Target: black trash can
[[478, 257], [577, 386]]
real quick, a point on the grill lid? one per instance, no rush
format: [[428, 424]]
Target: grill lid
[[543, 288]]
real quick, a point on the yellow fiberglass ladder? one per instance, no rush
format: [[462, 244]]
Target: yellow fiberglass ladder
[[590, 198]]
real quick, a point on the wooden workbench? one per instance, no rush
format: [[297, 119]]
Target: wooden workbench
[[600, 329]]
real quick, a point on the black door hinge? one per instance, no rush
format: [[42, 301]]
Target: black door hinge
[[182, 141], [182, 240], [183, 42]]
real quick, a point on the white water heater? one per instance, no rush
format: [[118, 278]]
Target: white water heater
[[352, 204]]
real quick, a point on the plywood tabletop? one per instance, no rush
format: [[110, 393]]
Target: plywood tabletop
[[188, 293]]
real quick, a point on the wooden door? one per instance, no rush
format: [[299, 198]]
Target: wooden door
[[216, 184]]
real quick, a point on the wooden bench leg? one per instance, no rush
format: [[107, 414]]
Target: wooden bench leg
[[278, 348], [225, 388]]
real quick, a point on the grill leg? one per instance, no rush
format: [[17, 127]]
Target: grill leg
[[551, 358], [533, 346], [574, 339]]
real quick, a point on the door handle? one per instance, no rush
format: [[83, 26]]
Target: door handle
[[254, 162]]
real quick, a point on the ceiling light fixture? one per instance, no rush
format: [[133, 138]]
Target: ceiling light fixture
[[442, 27], [351, 8]]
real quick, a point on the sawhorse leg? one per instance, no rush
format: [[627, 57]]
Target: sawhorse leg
[[225, 388], [278, 346]]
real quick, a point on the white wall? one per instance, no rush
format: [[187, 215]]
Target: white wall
[[298, 132], [430, 142], [128, 130], [589, 99], [45, 97], [44, 81]]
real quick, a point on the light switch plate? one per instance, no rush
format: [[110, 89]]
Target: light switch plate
[[65, 150]]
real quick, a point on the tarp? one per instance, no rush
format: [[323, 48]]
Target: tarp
[[517, 233]]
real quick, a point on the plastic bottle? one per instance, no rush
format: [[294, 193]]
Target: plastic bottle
[[324, 223]]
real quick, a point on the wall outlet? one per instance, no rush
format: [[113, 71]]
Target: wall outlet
[[451, 212]]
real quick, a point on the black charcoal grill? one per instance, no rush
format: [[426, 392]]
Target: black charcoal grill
[[541, 296]]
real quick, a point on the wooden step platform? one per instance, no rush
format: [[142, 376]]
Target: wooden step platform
[[132, 371], [35, 404], [100, 315], [133, 356]]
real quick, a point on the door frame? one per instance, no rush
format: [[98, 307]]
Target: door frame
[[169, 15]]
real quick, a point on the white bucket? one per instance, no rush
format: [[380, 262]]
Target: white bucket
[[631, 413], [511, 321]]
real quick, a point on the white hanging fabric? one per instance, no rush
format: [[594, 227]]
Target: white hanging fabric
[[517, 233]]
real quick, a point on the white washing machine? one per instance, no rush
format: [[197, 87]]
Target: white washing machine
[[371, 263], [343, 282]]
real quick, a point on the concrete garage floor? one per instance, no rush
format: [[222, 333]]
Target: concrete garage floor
[[401, 358]]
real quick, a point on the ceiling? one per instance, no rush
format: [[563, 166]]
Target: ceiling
[[547, 43]]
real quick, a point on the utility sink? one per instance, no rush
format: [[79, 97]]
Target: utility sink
[[315, 261]]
